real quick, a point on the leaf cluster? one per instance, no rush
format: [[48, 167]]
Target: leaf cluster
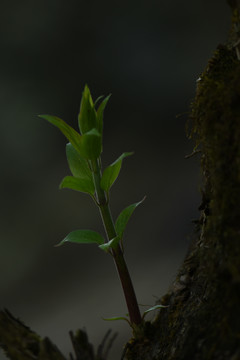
[[83, 152]]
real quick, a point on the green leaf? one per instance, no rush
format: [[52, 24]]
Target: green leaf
[[124, 217], [72, 135], [87, 118], [110, 174], [117, 318], [154, 308], [83, 185], [110, 244], [83, 237], [100, 111], [91, 145], [97, 100], [78, 165]]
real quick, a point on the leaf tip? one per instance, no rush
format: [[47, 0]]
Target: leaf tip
[[42, 116], [59, 244], [61, 186]]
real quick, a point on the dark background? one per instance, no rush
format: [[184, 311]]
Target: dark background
[[148, 54]]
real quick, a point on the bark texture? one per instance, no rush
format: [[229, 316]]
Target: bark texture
[[19, 342], [203, 317]]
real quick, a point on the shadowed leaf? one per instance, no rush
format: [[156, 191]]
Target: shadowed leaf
[[124, 217], [110, 174], [100, 111], [110, 244], [83, 237], [77, 164], [87, 118], [72, 135], [73, 183], [91, 144]]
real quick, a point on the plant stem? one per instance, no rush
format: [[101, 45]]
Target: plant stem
[[128, 289]]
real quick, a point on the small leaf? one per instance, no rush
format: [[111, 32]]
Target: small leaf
[[110, 174], [87, 118], [100, 111], [110, 244], [91, 145], [78, 165], [83, 185], [83, 237], [124, 217], [97, 100], [117, 318], [72, 135], [154, 308]]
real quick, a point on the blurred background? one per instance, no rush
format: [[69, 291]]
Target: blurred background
[[148, 54]]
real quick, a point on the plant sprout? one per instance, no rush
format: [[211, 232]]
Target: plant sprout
[[84, 158]]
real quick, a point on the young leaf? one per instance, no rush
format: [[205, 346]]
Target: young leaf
[[78, 165], [91, 145], [97, 100], [110, 174], [83, 185], [100, 111], [72, 135], [110, 244], [153, 308], [87, 118], [117, 318], [83, 237], [124, 217]]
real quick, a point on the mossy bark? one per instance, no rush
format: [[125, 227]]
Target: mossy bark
[[19, 342], [203, 317]]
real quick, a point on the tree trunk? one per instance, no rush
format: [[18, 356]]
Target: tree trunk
[[202, 320], [202, 317]]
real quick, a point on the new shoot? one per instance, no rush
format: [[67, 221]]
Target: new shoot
[[84, 158]]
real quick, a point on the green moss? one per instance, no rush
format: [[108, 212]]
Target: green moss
[[216, 128]]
